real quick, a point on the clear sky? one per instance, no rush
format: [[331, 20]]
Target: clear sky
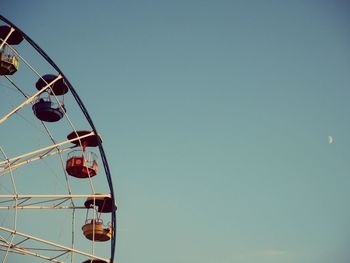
[[215, 117]]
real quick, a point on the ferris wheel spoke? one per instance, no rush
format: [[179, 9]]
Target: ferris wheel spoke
[[5, 249], [52, 246], [30, 99], [26, 251], [63, 166], [7, 37], [41, 207], [44, 201], [16, 163], [7, 163], [4, 240], [16, 86]]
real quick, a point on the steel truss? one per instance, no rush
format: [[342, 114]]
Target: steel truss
[[35, 201], [17, 161], [31, 251], [17, 201]]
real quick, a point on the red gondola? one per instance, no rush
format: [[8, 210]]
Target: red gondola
[[82, 163]]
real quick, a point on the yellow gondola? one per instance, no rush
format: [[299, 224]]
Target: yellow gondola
[[94, 230]]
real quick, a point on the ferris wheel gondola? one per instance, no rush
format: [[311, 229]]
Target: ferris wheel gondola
[[49, 182]]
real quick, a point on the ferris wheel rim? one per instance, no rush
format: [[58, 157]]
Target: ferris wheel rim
[[81, 105]]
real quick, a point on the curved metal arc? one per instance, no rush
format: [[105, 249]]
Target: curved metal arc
[[88, 118]]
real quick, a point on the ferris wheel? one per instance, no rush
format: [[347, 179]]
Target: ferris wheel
[[57, 202]]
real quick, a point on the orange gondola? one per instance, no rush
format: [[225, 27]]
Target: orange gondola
[[94, 230]]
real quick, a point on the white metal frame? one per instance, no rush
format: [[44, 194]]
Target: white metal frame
[[29, 251], [17, 201], [27, 201]]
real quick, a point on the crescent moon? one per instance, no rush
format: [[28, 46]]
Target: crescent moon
[[330, 140]]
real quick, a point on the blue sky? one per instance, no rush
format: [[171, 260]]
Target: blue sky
[[215, 117]]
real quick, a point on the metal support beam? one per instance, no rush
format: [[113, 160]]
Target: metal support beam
[[68, 249], [29, 100]]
